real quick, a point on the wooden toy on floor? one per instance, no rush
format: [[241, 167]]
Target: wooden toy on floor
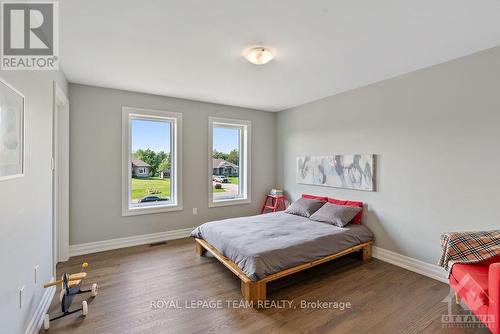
[[70, 287]]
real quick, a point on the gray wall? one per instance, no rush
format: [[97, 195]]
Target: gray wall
[[26, 204], [95, 145], [436, 133]]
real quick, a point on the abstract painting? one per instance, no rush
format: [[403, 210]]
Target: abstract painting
[[11, 132], [351, 171]]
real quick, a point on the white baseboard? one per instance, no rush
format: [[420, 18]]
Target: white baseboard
[[420, 267], [105, 245], [42, 308]]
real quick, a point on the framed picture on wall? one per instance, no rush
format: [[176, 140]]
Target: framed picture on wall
[[349, 171], [12, 132]]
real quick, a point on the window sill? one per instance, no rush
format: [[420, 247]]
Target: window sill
[[151, 210], [228, 202]]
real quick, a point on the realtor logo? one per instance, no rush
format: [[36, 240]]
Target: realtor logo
[[474, 299], [29, 36]]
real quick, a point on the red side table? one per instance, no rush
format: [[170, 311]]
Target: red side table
[[277, 203]]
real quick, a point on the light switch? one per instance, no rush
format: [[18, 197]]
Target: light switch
[[37, 271], [21, 290]]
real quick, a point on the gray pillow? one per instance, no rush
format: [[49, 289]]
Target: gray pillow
[[338, 215], [304, 207]]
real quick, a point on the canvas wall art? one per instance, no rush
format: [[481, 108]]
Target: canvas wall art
[[351, 171], [11, 132]]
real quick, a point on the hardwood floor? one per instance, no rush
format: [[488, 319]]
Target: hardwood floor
[[384, 298]]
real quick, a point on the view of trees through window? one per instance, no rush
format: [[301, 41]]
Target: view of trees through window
[[150, 162], [226, 162]]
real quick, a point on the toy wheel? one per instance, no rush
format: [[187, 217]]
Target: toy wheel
[[95, 289], [85, 308], [46, 321]]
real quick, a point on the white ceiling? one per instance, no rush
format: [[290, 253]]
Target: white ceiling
[[192, 49]]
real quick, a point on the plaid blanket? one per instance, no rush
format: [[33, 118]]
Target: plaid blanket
[[468, 247]]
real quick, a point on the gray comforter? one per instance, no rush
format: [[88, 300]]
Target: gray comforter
[[265, 244]]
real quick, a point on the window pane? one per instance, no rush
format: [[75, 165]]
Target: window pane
[[150, 163], [226, 162]]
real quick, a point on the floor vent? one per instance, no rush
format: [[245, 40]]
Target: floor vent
[[161, 243]]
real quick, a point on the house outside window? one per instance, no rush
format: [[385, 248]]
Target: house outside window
[[229, 161], [151, 161]]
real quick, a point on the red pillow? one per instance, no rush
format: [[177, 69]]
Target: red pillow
[[358, 217], [319, 198]]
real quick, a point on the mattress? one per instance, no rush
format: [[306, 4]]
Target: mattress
[[265, 244]]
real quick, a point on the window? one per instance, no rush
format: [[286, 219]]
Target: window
[[229, 161], [151, 158]]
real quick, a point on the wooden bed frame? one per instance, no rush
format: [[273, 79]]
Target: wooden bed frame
[[255, 291]]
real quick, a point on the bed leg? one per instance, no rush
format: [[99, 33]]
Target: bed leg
[[457, 299], [199, 249], [367, 252], [253, 292]]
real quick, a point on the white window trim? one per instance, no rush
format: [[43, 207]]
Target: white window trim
[[245, 161], [176, 154]]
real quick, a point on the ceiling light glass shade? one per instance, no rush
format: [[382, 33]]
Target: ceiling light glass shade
[[259, 55]]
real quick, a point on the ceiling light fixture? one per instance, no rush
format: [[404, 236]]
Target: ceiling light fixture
[[259, 55]]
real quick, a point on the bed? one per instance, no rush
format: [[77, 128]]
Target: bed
[[259, 249]]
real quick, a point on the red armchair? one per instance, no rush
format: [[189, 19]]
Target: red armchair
[[478, 285]]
